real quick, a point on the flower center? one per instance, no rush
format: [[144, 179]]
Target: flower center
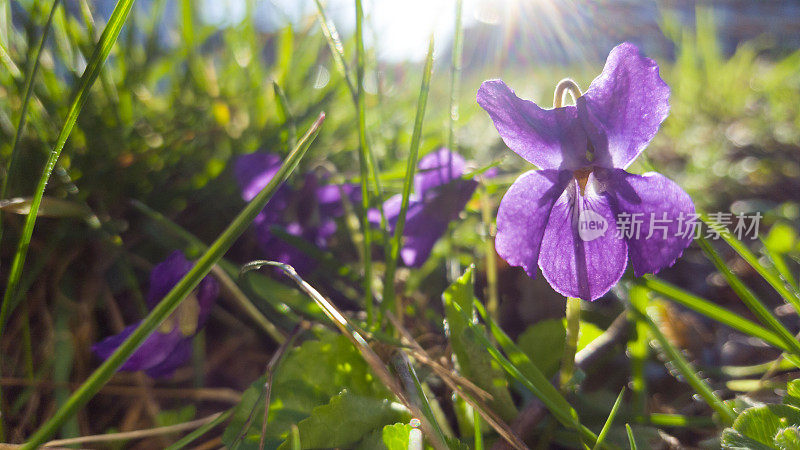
[[582, 177]]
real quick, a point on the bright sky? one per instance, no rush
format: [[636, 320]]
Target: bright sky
[[400, 27]]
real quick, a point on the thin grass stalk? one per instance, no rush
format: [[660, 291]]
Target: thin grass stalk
[[335, 45], [639, 351], [573, 314], [493, 295], [631, 438], [453, 265], [389, 297], [286, 112], [363, 162], [179, 292], [476, 424]]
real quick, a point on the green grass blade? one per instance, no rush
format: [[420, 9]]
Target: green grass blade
[[171, 301], [750, 300], [631, 439], [408, 183], [712, 310], [609, 421], [726, 413], [101, 51], [785, 289], [678, 420], [455, 77], [639, 351], [28, 89], [199, 432], [476, 423], [335, 44], [286, 114]]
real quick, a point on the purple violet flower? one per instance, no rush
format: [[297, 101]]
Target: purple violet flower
[[308, 213], [440, 194], [170, 346], [582, 152]]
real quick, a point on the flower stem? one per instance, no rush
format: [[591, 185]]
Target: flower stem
[[571, 346]]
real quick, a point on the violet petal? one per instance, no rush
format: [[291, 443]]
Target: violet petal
[[436, 169], [623, 107], [663, 207], [523, 215], [575, 267], [547, 138]]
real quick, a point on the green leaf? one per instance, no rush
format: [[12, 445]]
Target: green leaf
[[543, 342], [345, 420], [788, 438], [762, 424], [473, 359], [792, 397], [309, 376], [732, 439], [395, 437], [391, 437]]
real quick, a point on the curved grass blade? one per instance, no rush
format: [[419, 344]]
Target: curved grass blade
[[711, 310], [750, 300], [411, 167], [99, 55], [171, 301]]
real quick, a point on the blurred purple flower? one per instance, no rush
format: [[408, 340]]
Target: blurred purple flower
[[440, 194], [170, 346], [583, 151], [308, 213]]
